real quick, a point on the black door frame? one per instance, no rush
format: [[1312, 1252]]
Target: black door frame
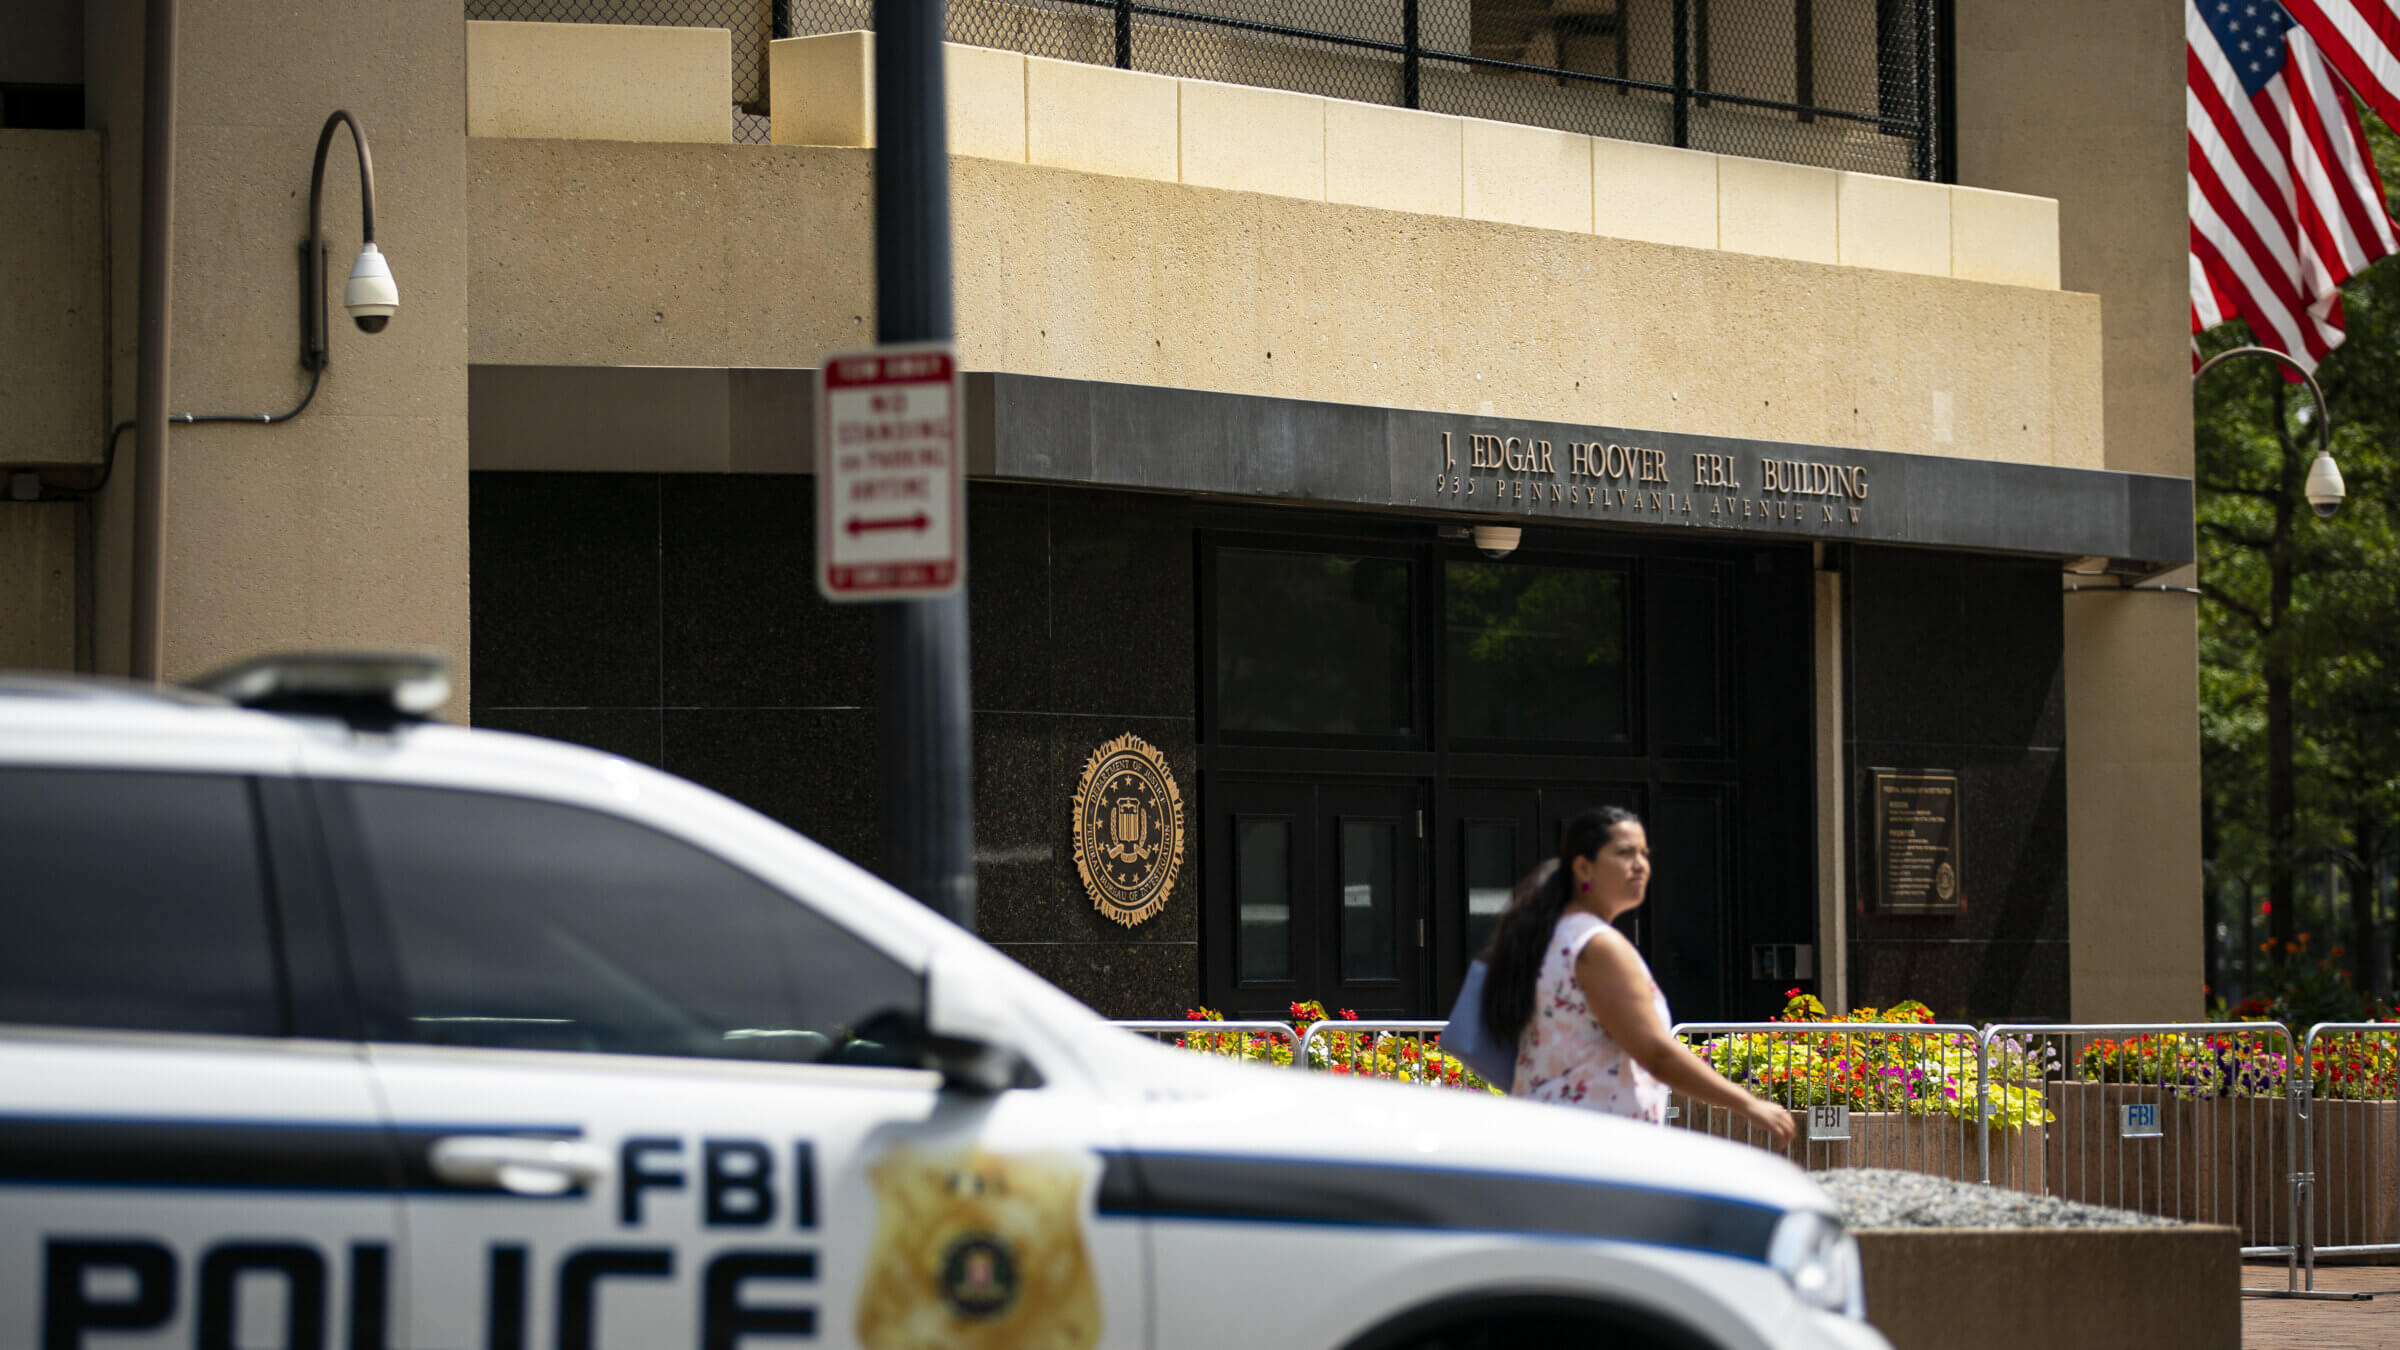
[[1449, 775]]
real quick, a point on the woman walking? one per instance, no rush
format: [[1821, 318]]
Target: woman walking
[[1589, 1021]]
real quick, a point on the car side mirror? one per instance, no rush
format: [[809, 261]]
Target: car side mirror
[[970, 1030]]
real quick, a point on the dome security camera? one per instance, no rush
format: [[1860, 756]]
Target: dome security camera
[[2324, 488], [371, 296], [1497, 541]]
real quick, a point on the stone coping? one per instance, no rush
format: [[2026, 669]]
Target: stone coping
[[647, 83]]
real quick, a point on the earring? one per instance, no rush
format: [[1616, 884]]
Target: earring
[[1586, 887]]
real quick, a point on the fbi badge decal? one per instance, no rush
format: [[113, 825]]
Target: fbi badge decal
[[1128, 829]]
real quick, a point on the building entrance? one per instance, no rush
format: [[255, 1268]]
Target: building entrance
[[1394, 729]]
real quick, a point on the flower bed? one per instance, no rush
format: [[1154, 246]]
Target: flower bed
[[1398, 1057], [1931, 1073]]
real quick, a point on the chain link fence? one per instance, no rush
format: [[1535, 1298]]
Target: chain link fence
[[1845, 84]]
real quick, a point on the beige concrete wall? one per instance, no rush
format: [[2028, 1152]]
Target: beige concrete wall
[[599, 81], [747, 22], [2083, 103], [347, 525], [52, 338], [37, 585], [1122, 279]]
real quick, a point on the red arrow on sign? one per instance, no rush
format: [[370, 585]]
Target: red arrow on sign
[[917, 522]]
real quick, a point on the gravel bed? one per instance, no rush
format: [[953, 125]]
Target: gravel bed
[[1879, 1197]]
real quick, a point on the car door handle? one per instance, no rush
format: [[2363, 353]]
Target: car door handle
[[518, 1166]]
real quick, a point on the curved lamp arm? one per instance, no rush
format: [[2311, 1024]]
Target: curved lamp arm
[[2324, 489], [2324, 415], [314, 347]]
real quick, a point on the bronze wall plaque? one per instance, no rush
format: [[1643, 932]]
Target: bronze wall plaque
[[1128, 829], [1916, 842]]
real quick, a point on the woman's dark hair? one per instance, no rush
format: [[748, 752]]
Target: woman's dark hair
[[1523, 933]]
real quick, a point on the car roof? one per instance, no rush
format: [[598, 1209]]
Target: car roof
[[56, 721]]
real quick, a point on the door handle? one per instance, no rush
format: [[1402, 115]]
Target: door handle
[[518, 1166]]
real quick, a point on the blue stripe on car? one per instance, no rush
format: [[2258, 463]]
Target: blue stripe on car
[[1233, 1188]]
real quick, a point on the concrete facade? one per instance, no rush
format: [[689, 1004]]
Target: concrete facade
[[2049, 105], [346, 526], [53, 326], [567, 199], [1061, 273]]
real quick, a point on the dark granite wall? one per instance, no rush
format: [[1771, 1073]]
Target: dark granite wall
[[1954, 662], [674, 619]]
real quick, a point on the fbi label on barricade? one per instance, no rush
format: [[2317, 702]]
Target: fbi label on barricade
[[2140, 1121], [1828, 1122]]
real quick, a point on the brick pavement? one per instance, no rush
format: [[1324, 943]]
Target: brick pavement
[[2308, 1324]]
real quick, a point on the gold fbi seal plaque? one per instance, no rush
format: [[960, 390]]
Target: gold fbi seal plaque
[[1128, 829]]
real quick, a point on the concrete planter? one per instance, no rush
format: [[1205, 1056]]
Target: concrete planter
[[2058, 1288], [2229, 1161], [1942, 1146]]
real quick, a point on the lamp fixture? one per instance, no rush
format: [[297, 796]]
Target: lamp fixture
[[371, 296], [1497, 541], [2323, 488]]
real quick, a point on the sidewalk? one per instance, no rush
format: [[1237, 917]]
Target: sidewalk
[[2309, 1324]]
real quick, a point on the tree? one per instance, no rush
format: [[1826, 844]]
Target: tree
[[2300, 624]]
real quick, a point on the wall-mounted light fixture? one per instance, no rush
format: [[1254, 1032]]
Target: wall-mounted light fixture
[[371, 296], [1492, 541]]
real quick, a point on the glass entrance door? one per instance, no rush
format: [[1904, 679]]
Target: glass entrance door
[[1486, 840], [1325, 885], [1355, 678]]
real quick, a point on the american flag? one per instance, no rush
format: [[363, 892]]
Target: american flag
[[2285, 201], [2362, 40]]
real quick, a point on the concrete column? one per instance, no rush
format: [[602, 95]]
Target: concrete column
[[2085, 103], [1833, 847], [37, 586], [348, 525]]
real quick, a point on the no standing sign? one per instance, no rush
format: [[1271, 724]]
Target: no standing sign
[[891, 477]]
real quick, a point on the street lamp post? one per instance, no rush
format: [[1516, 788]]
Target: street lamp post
[[2322, 488]]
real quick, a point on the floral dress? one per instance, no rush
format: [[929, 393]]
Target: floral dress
[[1564, 1056]]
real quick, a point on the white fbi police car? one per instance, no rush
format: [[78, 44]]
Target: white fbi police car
[[326, 1028]]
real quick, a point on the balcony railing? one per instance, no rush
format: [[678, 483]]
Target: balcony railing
[[1845, 84]]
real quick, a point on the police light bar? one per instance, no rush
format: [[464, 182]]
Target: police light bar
[[368, 690]]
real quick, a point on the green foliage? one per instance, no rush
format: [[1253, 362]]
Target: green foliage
[[2333, 638]]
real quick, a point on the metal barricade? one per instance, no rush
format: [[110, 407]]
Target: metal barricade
[[2195, 1121], [1902, 1095], [2349, 1170], [1257, 1041], [1404, 1051]]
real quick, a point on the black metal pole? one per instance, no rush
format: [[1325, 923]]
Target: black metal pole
[[146, 655], [924, 728], [1683, 72], [1924, 165], [1411, 59], [1124, 34]]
